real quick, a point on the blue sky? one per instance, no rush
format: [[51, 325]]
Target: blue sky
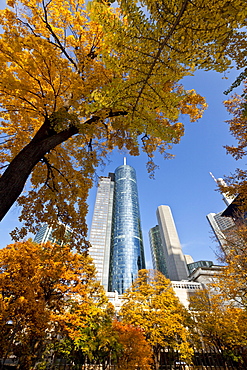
[[184, 182]]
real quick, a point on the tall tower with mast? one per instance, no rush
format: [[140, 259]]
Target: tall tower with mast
[[116, 235]]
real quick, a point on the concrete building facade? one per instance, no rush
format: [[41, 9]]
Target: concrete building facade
[[174, 257]]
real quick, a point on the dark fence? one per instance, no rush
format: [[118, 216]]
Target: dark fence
[[207, 359]]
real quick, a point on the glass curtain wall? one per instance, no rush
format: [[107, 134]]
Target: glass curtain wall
[[127, 252]]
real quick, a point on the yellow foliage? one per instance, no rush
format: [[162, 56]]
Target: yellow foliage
[[43, 290], [151, 304], [79, 79], [237, 182], [218, 322], [236, 106], [231, 282]]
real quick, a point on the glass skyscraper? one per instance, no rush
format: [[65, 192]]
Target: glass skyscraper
[[44, 235], [116, 236], [127, 253], [157, 251], [100, 234], [222, 226]]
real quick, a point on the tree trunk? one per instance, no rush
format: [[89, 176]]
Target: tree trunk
[[156, 354], [14, 178]]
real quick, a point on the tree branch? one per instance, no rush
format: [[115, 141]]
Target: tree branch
[[15, 176], [163, 44]]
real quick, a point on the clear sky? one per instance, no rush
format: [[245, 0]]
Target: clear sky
[[184, 182]]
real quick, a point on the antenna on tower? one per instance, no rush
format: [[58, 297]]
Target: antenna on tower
[[125, 162], [213, 177], [220, 182]]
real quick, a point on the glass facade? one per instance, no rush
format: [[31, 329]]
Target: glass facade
[[44, 235], [157, 251], [100, 235], [115, 235], [221, 226], [127, 252], [193, 266]]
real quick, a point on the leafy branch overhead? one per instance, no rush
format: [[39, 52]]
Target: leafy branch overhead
[[78, 80]]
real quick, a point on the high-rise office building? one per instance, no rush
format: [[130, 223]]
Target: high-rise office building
[[127, 252], [116, 237], [222, 226], [170, 246], [157, 251], [44, 235], [100, 234]]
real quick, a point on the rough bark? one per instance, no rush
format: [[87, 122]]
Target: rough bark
[[14, 178]]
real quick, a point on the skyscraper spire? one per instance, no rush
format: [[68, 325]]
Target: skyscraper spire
[[213, 177], [220, 182], [125, 162]]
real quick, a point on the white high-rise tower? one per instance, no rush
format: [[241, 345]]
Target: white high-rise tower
[[174, 257], [100, 234]]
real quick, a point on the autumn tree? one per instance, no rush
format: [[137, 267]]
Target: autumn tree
[[219, 324], [151, 304], [185, 34], [46, 293], [104, 341], [78, 81], [231, 281], [97, 341], [65, 104], [237, 182], [136, 353]]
